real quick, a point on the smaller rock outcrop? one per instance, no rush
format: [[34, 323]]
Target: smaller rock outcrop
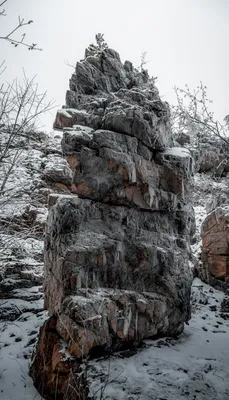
[[209, 152], [55, 371], [215, 241], [225, 305]]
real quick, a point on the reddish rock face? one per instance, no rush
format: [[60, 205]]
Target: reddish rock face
[[55, 373], [215, 240]]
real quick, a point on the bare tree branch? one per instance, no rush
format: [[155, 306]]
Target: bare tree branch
[[2, 12], [2, 68], [69, 64], [192, 114], [16, 42]]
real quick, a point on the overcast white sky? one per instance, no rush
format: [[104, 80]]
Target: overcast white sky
[[186, 40]]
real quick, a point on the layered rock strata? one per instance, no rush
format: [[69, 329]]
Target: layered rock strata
[[117, 248]]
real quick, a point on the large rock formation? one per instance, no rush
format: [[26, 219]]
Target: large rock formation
[[117, 249], [215, 241]]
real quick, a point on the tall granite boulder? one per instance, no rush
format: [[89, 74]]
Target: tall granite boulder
[[117, 248]]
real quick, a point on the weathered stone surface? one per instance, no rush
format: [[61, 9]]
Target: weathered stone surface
[[112, 247], [117, 248], [69, 117], [137, 113], [54, 371], [115, 168], [209, 157], [104, 72], [215, 239], [75, 138], [225, 305], [113, 276], [111, 318], [208, 151], [183, 138], [106, 94], [57, 170]]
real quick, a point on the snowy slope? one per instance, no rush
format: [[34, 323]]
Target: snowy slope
[[195, 366], [22, 216], [16, 344]]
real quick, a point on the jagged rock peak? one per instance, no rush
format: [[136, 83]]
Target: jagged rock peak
[[108, 64], [106, 94]]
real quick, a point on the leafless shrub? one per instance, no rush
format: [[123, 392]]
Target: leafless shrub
[[192, 114], [98, 47], [21, 105], [143, 61], [100, 41]]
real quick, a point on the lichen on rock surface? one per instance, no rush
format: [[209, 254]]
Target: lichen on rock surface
[[116, 248]]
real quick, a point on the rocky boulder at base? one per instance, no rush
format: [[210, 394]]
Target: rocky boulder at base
[[215, 245], [117, 247]]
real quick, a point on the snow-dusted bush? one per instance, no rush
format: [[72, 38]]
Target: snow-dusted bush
[[98, 47], [192, 115], [196, 127]]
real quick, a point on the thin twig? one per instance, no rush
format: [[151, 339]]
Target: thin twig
[[15, 42]]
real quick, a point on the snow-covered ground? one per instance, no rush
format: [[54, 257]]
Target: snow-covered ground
[[16, 344], [195, 366]]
